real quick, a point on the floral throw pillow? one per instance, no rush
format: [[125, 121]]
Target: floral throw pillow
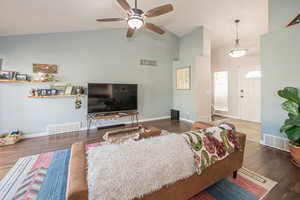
[[212, 144]]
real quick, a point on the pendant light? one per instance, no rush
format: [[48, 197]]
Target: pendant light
[[237, 51]]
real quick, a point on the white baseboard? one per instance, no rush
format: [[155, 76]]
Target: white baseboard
[[225, 115], [275, 142], [187, 120], [32, 135], [155, 118], [202, 119]]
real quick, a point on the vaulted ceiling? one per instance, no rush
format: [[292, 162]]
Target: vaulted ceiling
[[45, 16]]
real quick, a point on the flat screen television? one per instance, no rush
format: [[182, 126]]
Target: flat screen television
[[108, 98]]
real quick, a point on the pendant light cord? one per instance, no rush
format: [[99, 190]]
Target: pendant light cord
[[237, 32], [135, 4]]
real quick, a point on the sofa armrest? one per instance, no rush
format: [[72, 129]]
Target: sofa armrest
[[200, 125], [241, 136], [77, 188]]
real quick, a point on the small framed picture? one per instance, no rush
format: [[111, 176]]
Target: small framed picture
[[7, 75], [22, 77], [69, 89], [183, 78]]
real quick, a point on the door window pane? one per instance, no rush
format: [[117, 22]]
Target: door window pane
[[253, 74]]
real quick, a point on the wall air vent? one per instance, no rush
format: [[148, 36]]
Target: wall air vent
[[63, 128], [276, 142], [148, 62]]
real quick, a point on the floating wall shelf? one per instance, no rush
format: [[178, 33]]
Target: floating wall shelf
[[26, 81], [58, 96]]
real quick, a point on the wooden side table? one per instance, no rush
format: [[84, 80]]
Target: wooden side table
[[98, 118]]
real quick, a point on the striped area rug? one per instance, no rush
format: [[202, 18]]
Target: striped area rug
[[247, 186], [44, 177]]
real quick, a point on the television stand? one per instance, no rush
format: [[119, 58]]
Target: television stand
[[98, 117]]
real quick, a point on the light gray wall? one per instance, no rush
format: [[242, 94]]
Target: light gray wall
[[93, 56], [191, 46], [279, 61], [280, 68], [194, 52], [282, 12]]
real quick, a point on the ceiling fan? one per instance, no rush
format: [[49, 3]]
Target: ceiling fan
[[136, 17]]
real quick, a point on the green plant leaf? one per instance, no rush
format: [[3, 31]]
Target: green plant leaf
[[293, 134], [293, 121], [292, 116], [290, 107], [290, 93], [286, 127]]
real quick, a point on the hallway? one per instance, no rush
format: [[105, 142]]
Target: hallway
[[252, 129]]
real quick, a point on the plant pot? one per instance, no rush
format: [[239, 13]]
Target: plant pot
[[295, 152]]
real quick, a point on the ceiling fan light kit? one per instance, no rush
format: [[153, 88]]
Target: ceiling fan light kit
[[237, 51], [136, 17], [135, 22]]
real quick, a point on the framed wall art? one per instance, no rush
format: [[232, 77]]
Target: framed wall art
[[44, 68], [183, 78]]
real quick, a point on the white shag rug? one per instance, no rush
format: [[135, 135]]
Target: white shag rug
[[133, 169]]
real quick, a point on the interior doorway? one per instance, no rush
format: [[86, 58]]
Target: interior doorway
[[237, 99]]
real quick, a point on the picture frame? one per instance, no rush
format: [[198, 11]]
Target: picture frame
[[183, 78], [44, 68], [7, 75], [69, 89], [22, 77]]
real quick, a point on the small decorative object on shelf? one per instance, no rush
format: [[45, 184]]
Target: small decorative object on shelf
[[7, 75], [59, 90], [46, 77], [69, 89], [22, 77], [78, 103], [32, 92], [11, 138], [59, 87], [78, 90], [57, 96]]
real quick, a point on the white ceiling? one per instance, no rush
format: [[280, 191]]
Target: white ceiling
[[44, 16]]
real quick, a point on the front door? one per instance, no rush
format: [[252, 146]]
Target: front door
[[250, 93]]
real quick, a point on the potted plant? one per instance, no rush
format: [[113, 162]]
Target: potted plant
[[292, 125]]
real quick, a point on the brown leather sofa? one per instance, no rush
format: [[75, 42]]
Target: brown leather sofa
[[181, 190]]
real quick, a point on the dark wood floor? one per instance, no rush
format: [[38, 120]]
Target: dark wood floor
[[269, 162]]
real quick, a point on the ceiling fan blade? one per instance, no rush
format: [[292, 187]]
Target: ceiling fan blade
[[130, 32], [124, 4], [159, 10], [154, 28], [110, 19]]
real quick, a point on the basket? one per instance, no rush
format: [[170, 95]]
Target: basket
[[7, 139]]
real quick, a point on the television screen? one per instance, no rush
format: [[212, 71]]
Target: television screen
[[105, 98]]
